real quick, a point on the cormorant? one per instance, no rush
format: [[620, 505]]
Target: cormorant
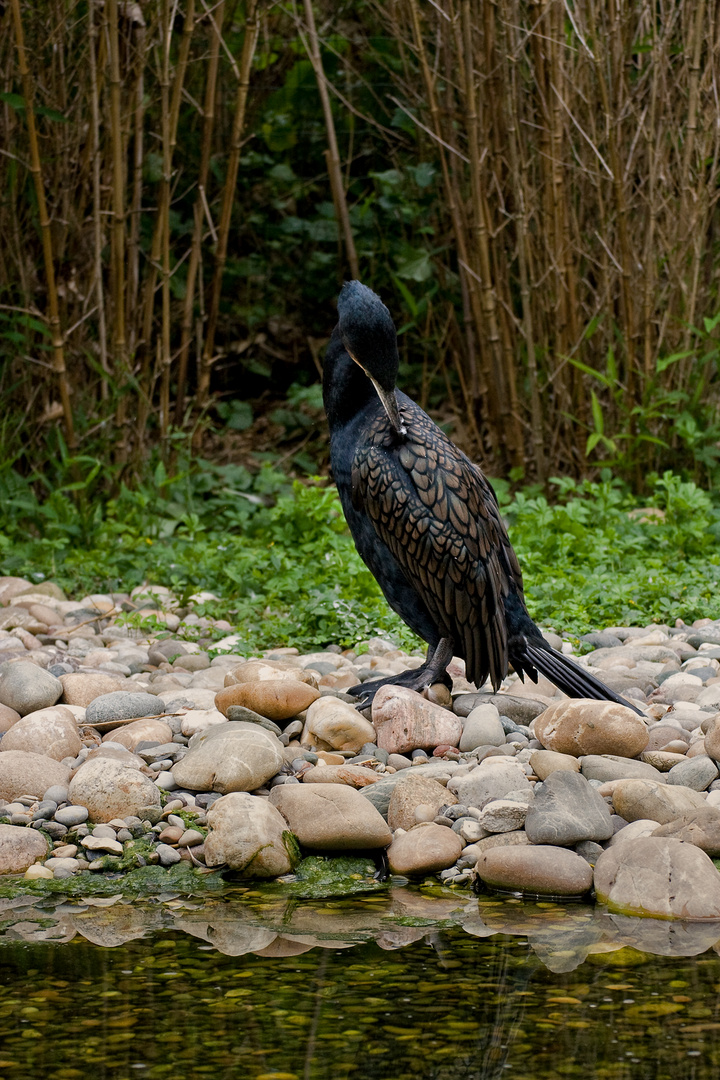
[[425, 520]]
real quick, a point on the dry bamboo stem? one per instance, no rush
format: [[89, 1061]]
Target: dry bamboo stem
[[138, 119], [118, 205], [164, 214], [97, 200], [252, 26], [332, 154], [199, 211], [53, 316]]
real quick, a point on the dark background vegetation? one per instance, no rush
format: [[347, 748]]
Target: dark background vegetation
[[531, 187]]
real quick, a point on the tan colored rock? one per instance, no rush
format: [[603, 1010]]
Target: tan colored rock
[[270, 671], [24, 773], [712, 739], [328, 817], [662, 760], [700, 827], [12, 586], [634, 799], [424, 849], [249, 835], [117, 753], [276, 699], [581, 726], [113, 789], [45, 614], [20, 848], [199, 719], [405, 721], [413, 791], [234, 756], [132, 734], [354, 776], [332, 724], [80, 688], [543, 871], [544, 762], [8, 716], [661, 877], [52, 731], [508, 839]]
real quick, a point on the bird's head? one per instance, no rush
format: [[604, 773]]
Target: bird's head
[[369, 336]]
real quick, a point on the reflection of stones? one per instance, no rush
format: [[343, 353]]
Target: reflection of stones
[[116, 924], [660, 937]]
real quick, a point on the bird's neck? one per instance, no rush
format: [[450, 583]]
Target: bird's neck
[[346, 387]]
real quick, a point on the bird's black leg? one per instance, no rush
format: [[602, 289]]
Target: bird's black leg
[[432, 671]]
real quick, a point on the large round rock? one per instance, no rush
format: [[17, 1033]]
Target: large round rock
[[275, 699], [635, 799], [539, 871], [122, 705], [140, 731], [566, 810], [332, 724], [235, 756], [424, 849], [331, 817], [658, 876], [53, 732], [406, 721], [112, 789], [582, 726], [20, 848], [25, 687], [24, 773], [249, 835]]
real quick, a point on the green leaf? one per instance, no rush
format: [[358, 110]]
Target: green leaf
[[15, 101], [604, 379], [597, 413], [665, 361]]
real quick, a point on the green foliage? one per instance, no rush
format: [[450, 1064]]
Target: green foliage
[[280, 557]]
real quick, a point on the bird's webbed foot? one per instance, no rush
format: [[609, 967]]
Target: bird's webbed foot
[[414, 679]]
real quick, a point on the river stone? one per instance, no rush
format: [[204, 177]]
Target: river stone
[[53, 732], [25, 773], [494, 778], [198, 720], [712, 738], [79, 688], [239, 712], [331, 724], [139, 731], [709, 696], [405, 721], [27, 688], [662, 760], [354, 776], [696, 773], [277, 699], [583, 726], [540, 871], [634, 830], [71, 815], [111, 789], [522, 710], [20, 848], [13, 586], [122, 705], [567, 810], [633, 799], [8, 717], [700, 827], [380, 794], [502, 816], [545, 762], [482, 727], [234, 756], [249, 834], [416, 791], [508, 839], [663, 734], [658, 876], [269, 671], [606, 767], [424, 849], [331, 817]]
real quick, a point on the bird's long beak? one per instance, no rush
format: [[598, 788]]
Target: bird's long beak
[[390, 405]]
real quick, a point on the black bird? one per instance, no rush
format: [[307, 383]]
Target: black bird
[[426, 521]]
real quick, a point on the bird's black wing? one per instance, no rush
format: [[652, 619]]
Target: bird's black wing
[[438, 516]]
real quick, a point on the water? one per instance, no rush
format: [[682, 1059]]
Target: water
[[407, 984]]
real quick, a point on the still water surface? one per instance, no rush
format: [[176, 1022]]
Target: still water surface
[[250, 987]]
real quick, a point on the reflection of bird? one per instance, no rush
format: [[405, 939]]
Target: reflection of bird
[[425, 520]]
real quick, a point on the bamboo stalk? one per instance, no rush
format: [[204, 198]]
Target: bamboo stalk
[[138, 164], [248, 51], [164, 213], [53, 316], [199, 212], [97, 201], [332, 154]]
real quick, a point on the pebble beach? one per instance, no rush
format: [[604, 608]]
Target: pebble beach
[[123, 748]]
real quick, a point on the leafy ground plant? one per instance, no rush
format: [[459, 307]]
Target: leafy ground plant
[[279, 557]]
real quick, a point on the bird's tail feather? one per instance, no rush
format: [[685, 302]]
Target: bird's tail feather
[[568, 676]]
